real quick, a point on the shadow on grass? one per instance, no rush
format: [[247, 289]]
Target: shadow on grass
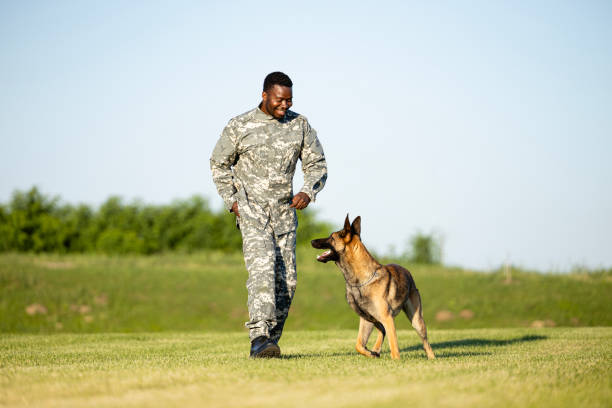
[[384, 354], [460, 354], [437, 347], [476, 343], [307, 355]]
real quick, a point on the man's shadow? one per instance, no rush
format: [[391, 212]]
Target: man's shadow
[[439, 347]]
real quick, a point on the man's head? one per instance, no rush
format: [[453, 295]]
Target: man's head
[[277, 94]]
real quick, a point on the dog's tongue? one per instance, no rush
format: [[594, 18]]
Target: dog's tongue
[[323, 255]]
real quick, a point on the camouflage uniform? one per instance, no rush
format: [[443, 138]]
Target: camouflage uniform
[[253, 164]]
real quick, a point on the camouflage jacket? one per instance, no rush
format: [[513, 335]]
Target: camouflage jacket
[[254, 161]]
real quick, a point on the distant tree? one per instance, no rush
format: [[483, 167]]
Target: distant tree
[[33, 222], [424, 249]]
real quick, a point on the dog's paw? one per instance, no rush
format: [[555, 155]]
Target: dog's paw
[[375, 354]]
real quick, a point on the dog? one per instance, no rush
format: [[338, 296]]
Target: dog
[[377, 293]]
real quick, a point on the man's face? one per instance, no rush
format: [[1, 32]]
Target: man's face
[[277, 100]]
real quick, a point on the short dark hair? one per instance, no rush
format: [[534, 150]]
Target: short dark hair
[[276, 78]]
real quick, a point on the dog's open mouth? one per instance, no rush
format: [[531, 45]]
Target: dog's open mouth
[[329, 255], [323, 243]]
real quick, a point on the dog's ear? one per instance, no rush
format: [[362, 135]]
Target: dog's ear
[[347, 224], [356, 227]]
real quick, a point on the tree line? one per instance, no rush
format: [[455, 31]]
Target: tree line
[[35, 222]]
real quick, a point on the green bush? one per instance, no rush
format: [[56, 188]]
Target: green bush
[[424, 249], [33, 222]]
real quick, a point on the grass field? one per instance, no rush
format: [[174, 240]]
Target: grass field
[[546, 367], [165, 330], [206, 292]]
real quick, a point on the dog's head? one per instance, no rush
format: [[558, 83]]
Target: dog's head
[[337, 242]]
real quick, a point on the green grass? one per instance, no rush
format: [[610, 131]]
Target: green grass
[[164, 331], [206, 291], [520, 367]]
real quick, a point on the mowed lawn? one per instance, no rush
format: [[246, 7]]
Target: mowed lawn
[[516, 367], [168, 330]]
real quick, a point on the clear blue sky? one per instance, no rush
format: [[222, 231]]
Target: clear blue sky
[[487, 122]]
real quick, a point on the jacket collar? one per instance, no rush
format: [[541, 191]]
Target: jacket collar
[[261, 115], [264, 117]]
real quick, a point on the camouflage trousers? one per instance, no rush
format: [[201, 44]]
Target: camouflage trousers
[[270, 261]]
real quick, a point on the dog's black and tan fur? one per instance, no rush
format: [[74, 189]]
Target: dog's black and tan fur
[[376, 292]]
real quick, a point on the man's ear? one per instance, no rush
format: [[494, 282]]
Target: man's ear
[[347, 224], [264, 96], [356, 227]]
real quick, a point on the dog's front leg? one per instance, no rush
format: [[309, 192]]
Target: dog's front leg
[[365, 329], [389, 324]]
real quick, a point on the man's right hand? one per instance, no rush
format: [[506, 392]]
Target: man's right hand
[[235, 209]]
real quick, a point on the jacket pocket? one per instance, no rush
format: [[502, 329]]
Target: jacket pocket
[[249, 214], [289, 150], [290, 158]]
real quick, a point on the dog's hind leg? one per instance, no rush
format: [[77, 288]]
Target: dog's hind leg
[[365, 329], [414, 311]]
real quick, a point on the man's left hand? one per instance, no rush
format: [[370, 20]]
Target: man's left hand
[[300, 201]]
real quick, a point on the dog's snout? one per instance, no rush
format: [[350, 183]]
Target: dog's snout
[[318, 243]]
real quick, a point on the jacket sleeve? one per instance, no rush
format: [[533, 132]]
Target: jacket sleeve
[[314, 165], [224, 156]]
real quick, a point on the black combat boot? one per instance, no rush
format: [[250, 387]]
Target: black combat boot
[[263, 347]]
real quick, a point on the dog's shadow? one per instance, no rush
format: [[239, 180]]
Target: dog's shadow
[[439, 348], [477, 342], [310, 355]]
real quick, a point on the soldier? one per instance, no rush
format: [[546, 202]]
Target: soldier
[[252, 165]]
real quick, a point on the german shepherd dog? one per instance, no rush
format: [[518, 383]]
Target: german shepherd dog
[[376, 292]]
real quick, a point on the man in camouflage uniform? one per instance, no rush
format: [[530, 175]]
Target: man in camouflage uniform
[[252, 165]]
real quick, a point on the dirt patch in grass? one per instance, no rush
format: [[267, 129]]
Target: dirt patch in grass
[[543, 323], [444, 315], [35, 308], [466, 314]]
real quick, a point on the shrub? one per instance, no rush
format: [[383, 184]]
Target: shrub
[[425, 249], [32, 222]]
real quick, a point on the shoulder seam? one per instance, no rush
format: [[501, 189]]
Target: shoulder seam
[[243, 117]]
